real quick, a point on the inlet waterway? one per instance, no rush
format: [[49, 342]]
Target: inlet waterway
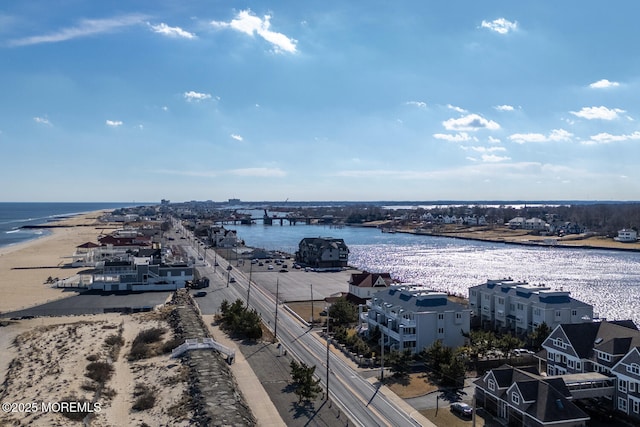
[[609, 280]]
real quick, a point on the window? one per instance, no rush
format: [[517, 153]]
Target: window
[[520, 306], [537, 312], [492, 385], [632, 387], [558, 313], [473, 293], [515, 398], [579, 366], [634, 368], [512, 307], [440, 331], [458, 316], [574, 312], [501, 300], [622, 404], [440, 316], [622, 385], [571, 364], [550, 355], [636, 406]]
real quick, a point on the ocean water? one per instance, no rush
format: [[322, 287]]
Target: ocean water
[[13, 216], [609, 280]]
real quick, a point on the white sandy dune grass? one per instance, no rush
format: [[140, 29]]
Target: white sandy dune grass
[[49, 359]]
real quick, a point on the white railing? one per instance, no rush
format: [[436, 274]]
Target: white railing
[[203, 343]]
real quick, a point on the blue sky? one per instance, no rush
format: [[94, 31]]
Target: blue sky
[[319, 100]]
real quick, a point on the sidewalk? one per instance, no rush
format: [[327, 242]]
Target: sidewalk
[[263, 409]]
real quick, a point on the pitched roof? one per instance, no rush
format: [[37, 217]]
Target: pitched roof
[[88, 245], [550, 396], [367, 280], [552, 406]]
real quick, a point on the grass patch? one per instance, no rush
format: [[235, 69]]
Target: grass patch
[[100, 372], [417, 384], [142, 346], [145, 397]]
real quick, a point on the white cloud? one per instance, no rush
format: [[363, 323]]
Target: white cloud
[[602, 113], [166, 30], [418, 104], [249, 24], [86, 27], [196, 96], [560, 135], [114, 123], [236, 137], [481, 149], [458, 109], [471, 122], [492, 158], [458, 137], [503, 107], [603, 84], [500, 25], [260, 172], [42, 121], [493, 140], [607, 138], [556, 135]]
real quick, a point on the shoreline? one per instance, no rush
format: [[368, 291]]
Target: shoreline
[[25, 266], [532, 241]]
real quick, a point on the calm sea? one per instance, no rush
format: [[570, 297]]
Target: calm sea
[[13, 216], [609, 280]]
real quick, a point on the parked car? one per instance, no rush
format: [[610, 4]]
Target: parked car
[[284, 270], [270, 267], [522, 352], [200, 294], [461, 409], [229, 268], [232, 280]]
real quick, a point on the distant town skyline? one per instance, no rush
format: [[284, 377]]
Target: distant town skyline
[[358, 101]]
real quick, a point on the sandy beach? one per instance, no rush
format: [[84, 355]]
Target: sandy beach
[[25, 267]]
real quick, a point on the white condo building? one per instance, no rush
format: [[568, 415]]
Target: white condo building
[[414, 317], [520, 307]]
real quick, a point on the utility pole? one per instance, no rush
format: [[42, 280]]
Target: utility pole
[[311, 284], [382, 355], [328, 338], [249, 289], [275, 328]]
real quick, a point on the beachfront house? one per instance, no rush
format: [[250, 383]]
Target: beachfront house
[[414, 317], [322, 252], [519, 397], [141, 273], [363, 285], [508, 305], [627, 235], [611, 349]]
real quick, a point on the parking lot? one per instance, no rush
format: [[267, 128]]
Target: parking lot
[[297, 284]]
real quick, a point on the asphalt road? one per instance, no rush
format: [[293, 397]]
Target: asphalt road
[[358, 398]]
